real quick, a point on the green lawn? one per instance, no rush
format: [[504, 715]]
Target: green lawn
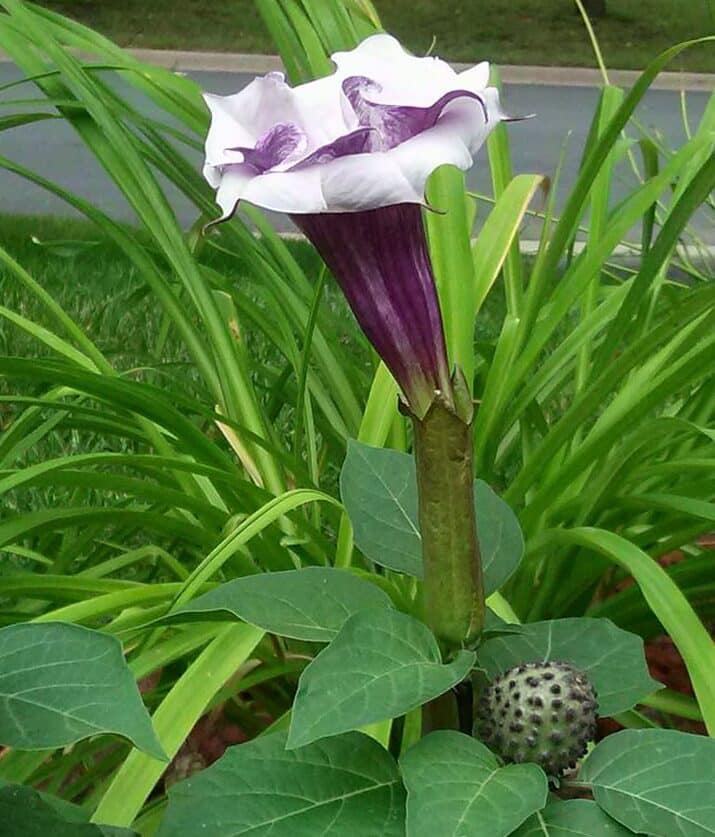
[[96, 284], [546, 32]]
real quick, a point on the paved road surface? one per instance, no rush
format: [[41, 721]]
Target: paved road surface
[[53, 149]]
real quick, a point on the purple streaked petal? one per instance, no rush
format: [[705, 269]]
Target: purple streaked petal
[[308, 150], [348, 157], [241, 120], [394, 124], [356, 142], [276, 146], [359, 182], [380, 260]]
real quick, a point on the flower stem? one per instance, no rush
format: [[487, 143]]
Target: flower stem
[[453, 591]]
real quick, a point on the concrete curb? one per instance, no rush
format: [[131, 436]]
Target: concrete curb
[[236, 62]]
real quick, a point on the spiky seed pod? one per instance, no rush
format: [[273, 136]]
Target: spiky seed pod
[[539, 712]]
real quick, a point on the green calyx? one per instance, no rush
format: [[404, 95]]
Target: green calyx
[[539, 712]]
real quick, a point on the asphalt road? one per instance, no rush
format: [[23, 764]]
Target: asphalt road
[[562, 116]]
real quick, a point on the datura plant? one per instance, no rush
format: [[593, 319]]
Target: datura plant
[[387, 609], [348, 157]]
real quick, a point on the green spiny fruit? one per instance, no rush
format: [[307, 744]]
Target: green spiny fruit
[[539, 712]]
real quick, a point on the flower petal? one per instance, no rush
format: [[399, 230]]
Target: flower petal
[[345, 184], [458, 134], [366, 137], [319, 104], [402, 77], [380, 259], [293, 191], [476, 78], [242, 120], [420, 156], [394, 123], [356, 142], [280, 146], [365, 181]]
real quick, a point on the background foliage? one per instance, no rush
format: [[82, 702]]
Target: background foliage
[[519, 32], [180, 424]]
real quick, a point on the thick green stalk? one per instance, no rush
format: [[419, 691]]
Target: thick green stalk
[[453, 591]]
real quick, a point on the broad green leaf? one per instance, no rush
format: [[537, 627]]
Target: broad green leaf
[[659, 782], [26, 813], [379, 416], [15, 790], [500, 539], [310, 604], [612, 658], [175, 717], [343, 785], [62, 683], [381, 665], [379, 490], [456, 788], [494, 624], [571, 818]]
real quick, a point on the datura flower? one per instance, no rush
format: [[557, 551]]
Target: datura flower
[[347, 157]]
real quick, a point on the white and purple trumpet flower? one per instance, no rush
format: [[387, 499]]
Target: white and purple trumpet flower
[[348, 157]]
